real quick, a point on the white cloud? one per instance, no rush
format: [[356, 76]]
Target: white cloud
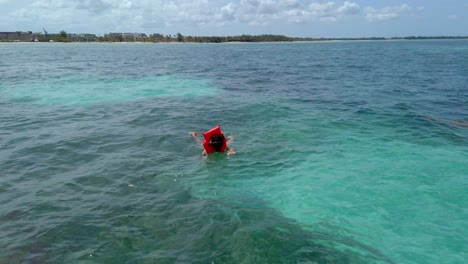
[[154, 15], [228, 11], [453, 17], [386, 13], [255, 12], [331, 12], [348, 8]]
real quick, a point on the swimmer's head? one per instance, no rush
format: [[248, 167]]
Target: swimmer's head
[[217, 142]]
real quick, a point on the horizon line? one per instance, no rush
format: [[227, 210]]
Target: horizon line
[[238, 35]]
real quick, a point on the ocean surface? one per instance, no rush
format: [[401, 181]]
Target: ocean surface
[[347, 152]]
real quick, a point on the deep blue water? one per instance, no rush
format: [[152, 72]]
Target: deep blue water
[[347, 152]]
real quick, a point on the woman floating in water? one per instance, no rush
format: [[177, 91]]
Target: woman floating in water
[[214, 141]]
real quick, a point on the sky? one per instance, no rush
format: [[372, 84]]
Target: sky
[[294, 18]]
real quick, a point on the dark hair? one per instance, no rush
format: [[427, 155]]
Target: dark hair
[[217, 142]]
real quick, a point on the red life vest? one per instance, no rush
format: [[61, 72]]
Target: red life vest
[[208, 135]]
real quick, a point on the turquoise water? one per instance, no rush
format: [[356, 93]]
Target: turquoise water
[[347, 152]]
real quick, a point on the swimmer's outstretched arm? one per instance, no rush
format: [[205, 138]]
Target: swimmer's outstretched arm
[[229, 141], [194, 135], [231, 151]]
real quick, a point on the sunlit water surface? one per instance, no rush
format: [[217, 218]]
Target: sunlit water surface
[[347, 152]]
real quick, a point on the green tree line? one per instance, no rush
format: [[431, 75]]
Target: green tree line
[[158, 38]]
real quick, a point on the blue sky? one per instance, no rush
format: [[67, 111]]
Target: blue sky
[[302, 18]]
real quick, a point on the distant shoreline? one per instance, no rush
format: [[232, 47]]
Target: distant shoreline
[[222, 43], [63, 37], [230, 42]]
